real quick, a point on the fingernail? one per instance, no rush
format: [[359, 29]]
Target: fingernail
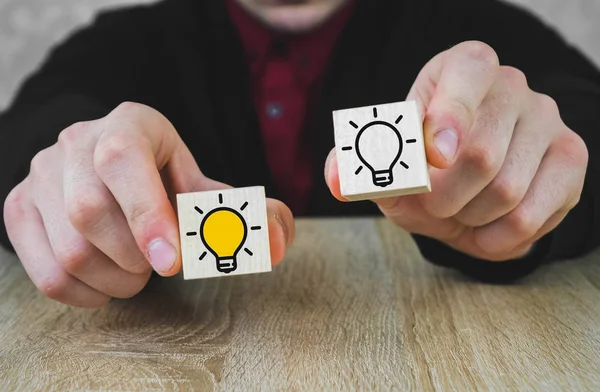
[[446, 142], [162, 255]]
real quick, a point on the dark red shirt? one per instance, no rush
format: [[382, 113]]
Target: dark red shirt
[[286, 70]]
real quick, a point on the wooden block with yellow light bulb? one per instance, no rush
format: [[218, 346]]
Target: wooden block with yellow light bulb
[[224, 232], [380, 151]]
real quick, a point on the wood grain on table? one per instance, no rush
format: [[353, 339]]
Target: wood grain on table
[[353, 307]]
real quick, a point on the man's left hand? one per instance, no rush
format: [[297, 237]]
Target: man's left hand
[[505, 170]]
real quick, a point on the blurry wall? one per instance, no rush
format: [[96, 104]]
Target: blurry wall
[[29, 27]]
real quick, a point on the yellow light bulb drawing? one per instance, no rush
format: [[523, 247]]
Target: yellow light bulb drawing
[[223, 232]]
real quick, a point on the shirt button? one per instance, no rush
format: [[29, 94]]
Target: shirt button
[[304, 62], [274, 110]]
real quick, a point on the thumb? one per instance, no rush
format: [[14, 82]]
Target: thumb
[[448, 91], [441, 145]]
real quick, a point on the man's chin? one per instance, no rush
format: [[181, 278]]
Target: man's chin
[[294, 18]]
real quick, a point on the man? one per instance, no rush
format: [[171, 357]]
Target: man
[[240, 92]]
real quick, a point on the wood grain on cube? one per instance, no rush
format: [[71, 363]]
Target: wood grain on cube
[[380, 151], [224, 232]]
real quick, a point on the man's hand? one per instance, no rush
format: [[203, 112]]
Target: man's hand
[[95, 214], [505, 170]]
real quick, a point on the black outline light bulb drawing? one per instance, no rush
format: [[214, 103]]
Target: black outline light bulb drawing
[[223, 232], [380, 161]]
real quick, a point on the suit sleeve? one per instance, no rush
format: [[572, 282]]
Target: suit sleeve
[[81, 80], [554, 68]]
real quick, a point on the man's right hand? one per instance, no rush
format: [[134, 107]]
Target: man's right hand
[[95, 214]]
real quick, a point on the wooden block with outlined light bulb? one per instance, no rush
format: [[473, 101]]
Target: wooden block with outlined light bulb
[[224, 232], [380, 151]]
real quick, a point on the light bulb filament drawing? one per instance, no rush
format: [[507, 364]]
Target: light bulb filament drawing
[[223, 233], [378, 146]]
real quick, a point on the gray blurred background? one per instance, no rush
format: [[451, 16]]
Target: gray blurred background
[[29, 27]]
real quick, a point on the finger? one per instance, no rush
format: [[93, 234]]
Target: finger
[[137, 143], [25, 227], [550, 225], [481, 157], [465, 243], [523, 249], [332, 176], [408, 213], [555, 189], [90, 207], [281, 229], [81, 259], [74, 253], [451, 88], [533, 133]]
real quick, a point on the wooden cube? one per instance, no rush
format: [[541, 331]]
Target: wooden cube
[[224, 232], [380, 151]]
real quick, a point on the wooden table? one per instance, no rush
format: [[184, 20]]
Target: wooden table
[[353, 307]]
